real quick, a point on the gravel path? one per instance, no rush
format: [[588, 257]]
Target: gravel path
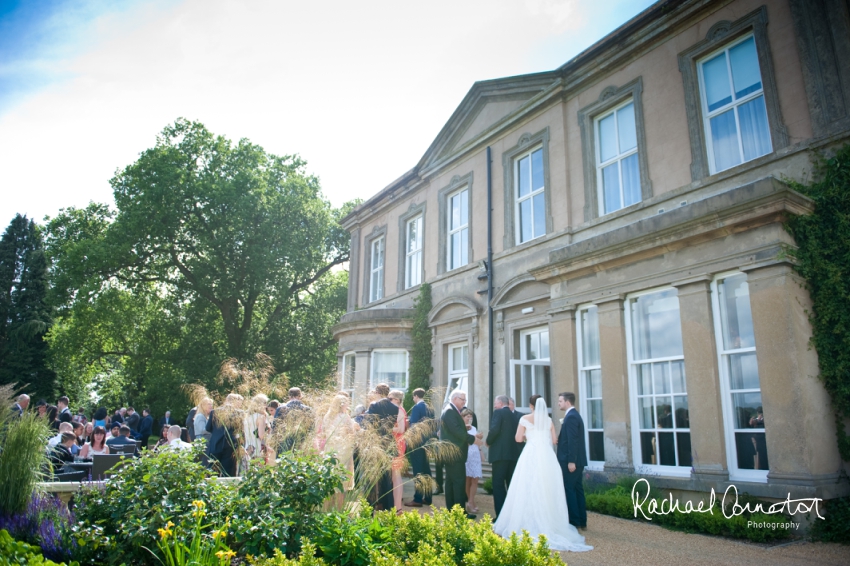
[[618, 541]]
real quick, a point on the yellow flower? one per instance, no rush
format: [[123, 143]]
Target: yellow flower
[[199, 504], [165, 533], [222, 554], [222, 533], [169, 524]]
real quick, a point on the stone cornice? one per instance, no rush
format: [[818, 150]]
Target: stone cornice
[[373, 319]]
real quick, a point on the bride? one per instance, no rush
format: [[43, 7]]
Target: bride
[[536, 501]]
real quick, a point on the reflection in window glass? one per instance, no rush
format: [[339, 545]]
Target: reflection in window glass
[[590, 373]]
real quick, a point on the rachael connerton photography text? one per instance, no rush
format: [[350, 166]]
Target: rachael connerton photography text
[[671, 505]]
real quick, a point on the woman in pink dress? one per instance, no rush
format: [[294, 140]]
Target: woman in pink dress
[[396, 397]]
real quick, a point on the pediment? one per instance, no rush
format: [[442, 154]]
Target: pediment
[[452, 309], [522, 288], [487, 104]]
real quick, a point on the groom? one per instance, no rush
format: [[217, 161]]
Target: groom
[[572, 457]]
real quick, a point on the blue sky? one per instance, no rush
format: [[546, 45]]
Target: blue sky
[[359, 90]]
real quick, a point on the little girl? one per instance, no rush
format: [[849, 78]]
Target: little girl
[[473, 465]]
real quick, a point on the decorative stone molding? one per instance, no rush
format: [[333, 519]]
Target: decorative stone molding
[[500, 326], [457, 183], [526, 142], [413, 211], [378, 231]]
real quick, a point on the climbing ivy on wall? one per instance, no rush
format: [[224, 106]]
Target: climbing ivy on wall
[[823, 259], [420, 353]]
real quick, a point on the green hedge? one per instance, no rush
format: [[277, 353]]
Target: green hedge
[[617, 502], [14, 553]]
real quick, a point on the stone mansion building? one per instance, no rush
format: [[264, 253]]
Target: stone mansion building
[[615, 228]]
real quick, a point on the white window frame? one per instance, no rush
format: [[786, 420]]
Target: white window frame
[[584, 394], [413, 255], [373, 382], [734, 104], [344, 375], [457, 379], [640, 467], [376, 272], [530, 196], [735, 473], [523, 395], [451, 232], [600, 165]]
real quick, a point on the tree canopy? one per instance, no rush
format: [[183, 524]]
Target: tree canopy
[[215, 250]]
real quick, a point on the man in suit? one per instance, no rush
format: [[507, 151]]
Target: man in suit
[[453, 430], [292, 422], [517, 416], [504, 450], [166, 420], [572, 456], [383, 414], [132, 420], [225, 428], [21, 405], [420, 413], [123, 439], [145, 427]]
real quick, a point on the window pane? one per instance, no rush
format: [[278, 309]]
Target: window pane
[[454, 221], [626, 125], [537, 170], [464, 248], [647, 448], [595, 417], [539, 215], [611, 187], [666, 449], [677, 373], [716, 77], [590, 337], [743, 371], [456, 250], [664, 410], [596, 441], [607, 138], [594, 383], [524, 178], [724, 141], [647, 414], [748, 410], [532, 342], [631, 179], [751, 451], [735, 314], [390, 368], [544, 345], [683, 440], [661, 376], [656, 328], [755, 135], [683, 419], [745, 68], [464, 208], [644, 379], [525, 220]]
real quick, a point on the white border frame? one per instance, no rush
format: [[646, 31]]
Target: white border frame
[[735, 473], [600, 193], [409, 255], [373, 270], [530, 195], [637, 461], [342, 386], [582, 389], [465, 226]]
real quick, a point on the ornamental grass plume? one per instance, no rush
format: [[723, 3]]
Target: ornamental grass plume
[[23, 460]]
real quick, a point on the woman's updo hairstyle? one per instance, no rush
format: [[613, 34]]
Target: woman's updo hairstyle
[[533, 400]]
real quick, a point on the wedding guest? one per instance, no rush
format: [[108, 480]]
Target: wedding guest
[[184, 434], [114, 430], [88, 431], [572, 457], [145, 427], [293, 421], [202, 417], [41, 408], [116, 418], [173, 434], [61, 453], [453, 429], [80, 439], [473, 465], [397, 398], [163, 437], [99, 417], [21, 405], [383, 415], [254, 428], [131, 419], [190, 423], [52, 416], [420, 413], [224, 426], [272, 407], [123, 439], [55, 440], [504, 449], [97, 445]]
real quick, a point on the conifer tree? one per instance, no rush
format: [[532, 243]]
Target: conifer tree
[[24, 311], [420, 354]]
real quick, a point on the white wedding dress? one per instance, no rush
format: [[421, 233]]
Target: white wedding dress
[[536, 501]]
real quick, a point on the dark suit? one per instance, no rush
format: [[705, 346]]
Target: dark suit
[[571, 450], [122, 440], [420, 413], [504, 451], [16, 408], [453, 429], [132, 421], [383, 414], [190, 423], [145, 430], [224, 441]]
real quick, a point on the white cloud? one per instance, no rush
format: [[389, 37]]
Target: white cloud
[[357, 89]]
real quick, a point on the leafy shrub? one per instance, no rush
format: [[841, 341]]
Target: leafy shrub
[[487, 485], [120, 522], [348, 541], [835, 527], [13, 553], [276, 504]]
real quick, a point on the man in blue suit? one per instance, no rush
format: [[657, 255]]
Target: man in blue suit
[[572, 456], [420, 413]]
